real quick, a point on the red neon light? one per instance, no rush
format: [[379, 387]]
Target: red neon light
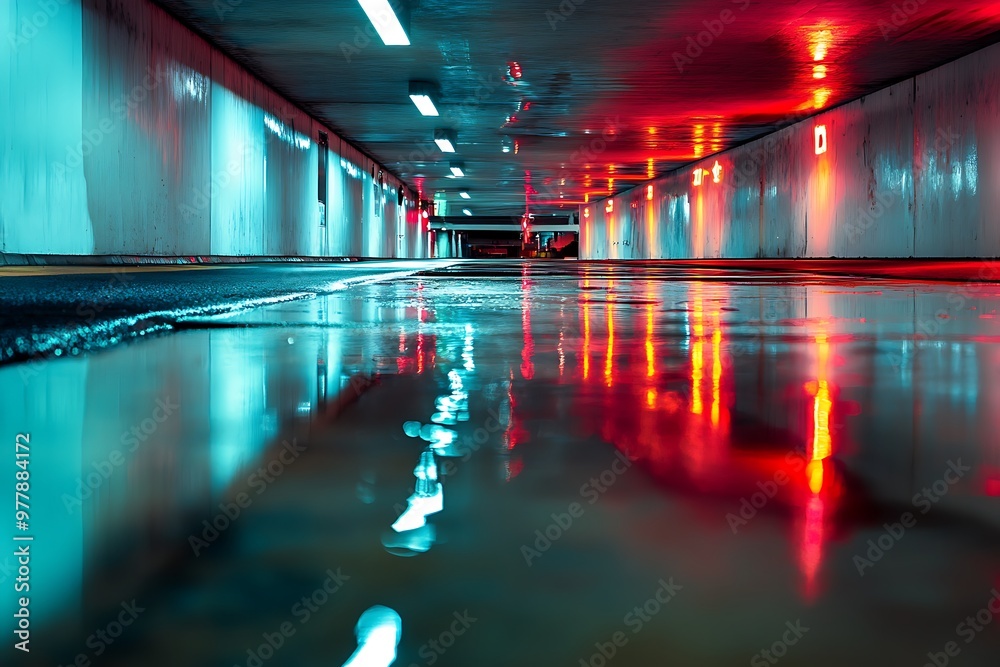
[[820, 139]]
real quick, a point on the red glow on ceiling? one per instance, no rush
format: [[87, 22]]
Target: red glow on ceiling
[[776, 63], [821, 97], [640, 92], [819, 44]]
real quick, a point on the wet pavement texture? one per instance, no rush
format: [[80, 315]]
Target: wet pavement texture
[[527, 463], [50, 311]]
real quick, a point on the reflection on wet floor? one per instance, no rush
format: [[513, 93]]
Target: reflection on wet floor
[[378, 632], [639, 468]]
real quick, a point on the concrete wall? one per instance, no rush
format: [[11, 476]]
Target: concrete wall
[[125, 133], [911, 170]]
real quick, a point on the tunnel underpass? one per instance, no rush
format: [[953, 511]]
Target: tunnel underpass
[[361, 333]]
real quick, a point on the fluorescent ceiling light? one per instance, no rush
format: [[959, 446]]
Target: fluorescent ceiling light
[[457, 169], [445, 140], [465, 195], [424, 95], [425, 105], [386, 23], [466, 211]]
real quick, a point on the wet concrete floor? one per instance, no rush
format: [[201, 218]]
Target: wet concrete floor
[[526, 463]]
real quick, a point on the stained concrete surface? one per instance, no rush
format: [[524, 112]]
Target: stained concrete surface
[[792, 463], [52, 311]]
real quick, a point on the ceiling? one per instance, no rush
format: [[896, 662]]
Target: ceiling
[[594, 97]]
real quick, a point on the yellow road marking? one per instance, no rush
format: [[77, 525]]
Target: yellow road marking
[[22, 271]]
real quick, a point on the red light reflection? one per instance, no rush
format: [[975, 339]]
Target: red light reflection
[[819, 449], [528, 349], [682, 400], [609, 358]]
